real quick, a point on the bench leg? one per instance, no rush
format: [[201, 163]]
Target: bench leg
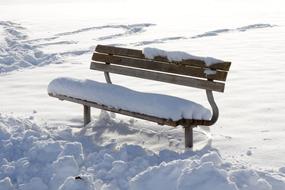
[[86, 115], [188, 136]]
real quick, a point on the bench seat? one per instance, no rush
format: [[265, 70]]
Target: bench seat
[[121, 98]]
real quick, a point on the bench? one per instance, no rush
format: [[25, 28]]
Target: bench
[[162, 109]]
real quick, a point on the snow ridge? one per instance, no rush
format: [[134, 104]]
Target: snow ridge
[[128, 28], [203, 35], [239, 29], [15, 53]]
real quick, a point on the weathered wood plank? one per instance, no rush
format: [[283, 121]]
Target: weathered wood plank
[[160, 121], [224, 66], [139, 54], [160, 66], [120, 51], [174, 79]]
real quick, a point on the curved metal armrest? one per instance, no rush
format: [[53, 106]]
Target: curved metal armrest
[[210, 97], [107, 75], [215, 109]]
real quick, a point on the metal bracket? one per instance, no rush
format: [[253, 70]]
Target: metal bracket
[[215, 109], [107, 76]]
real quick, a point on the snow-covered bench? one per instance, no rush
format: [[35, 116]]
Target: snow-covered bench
[[172, 67]]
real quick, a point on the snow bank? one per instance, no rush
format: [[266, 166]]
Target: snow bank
[[78, 161], [159, 105], [151, 53], [199, 174]]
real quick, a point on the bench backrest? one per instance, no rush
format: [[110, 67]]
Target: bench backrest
[[131, 62]]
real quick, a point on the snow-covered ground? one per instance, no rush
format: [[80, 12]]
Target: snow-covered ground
[[42, 145], [44, 157]]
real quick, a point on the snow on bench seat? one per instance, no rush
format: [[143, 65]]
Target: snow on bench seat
[[111, 95]]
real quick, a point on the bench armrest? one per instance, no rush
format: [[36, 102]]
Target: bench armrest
[[215, 109]]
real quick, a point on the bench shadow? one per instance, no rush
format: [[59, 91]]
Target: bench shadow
[[108, 128]]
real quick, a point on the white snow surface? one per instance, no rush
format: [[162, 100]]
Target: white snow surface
[[55, 158], [119, 97], [42, 144], [151, 53]]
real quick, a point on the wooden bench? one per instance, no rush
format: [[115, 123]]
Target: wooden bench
[[131, 62]]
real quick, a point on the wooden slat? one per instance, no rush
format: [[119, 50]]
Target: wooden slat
[[120, 51], [159, 66], [224, 66], [139, 54], [180, 80], [161, 121]]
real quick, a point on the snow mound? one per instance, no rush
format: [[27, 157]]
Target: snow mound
[[196, 174], [17, 53], [151, 53], [163, 106], [80, 161]]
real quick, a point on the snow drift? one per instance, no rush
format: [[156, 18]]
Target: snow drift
[[47, 157]]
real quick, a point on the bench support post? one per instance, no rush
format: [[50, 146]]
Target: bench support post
[[188, 136], [86, 114]]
